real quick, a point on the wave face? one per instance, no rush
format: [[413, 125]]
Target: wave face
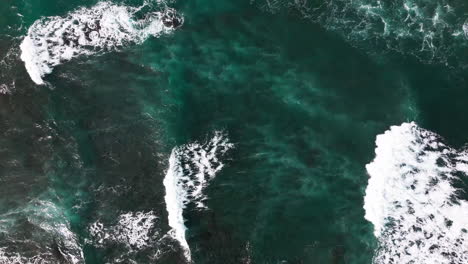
[[415, 200], [191, 168], [105, 27], [432, 31]]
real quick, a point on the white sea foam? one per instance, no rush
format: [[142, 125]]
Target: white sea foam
[[191, 168], [418, 214], [48, 224], [135, 230], [9, 258], [53, 40], [431, 31]]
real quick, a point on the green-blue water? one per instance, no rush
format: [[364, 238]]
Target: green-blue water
[[300, 88]]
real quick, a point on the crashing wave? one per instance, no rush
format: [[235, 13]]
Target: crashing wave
[[53, 40], [414, 198], [191, 168]]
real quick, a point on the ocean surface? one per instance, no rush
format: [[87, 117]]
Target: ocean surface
[[249, 131]]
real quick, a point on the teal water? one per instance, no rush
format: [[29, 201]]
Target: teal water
[[301, 90]]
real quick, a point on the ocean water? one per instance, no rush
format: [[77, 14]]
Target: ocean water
[[251, 131]]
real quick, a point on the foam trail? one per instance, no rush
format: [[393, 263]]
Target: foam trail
[[45, 237], [105, 27], [415, 200], [431, 31], [135, 230], [191, 167]]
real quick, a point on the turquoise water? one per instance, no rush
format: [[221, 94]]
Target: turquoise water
[[301, 91]]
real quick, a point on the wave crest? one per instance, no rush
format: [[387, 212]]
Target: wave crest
[[53, 40], [414, 198], [191, 168]]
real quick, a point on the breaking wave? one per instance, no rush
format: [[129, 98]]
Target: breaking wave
[[191, 168], [105, 27], [415, 198]]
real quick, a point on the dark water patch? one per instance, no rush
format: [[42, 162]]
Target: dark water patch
[[300, 132]]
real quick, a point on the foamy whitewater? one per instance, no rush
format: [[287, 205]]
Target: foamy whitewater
[[51, 240], [418, 214], [134, 230], [191, 168], [53, 40]]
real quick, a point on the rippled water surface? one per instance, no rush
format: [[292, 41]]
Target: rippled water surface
[[265, 131]]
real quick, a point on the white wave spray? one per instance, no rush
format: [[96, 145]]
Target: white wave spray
[[53, 40], [191, 168], [415, 199]]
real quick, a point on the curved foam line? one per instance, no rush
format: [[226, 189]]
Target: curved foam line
[[191, 168], [175, 198], [104, 27], [27, 55]]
